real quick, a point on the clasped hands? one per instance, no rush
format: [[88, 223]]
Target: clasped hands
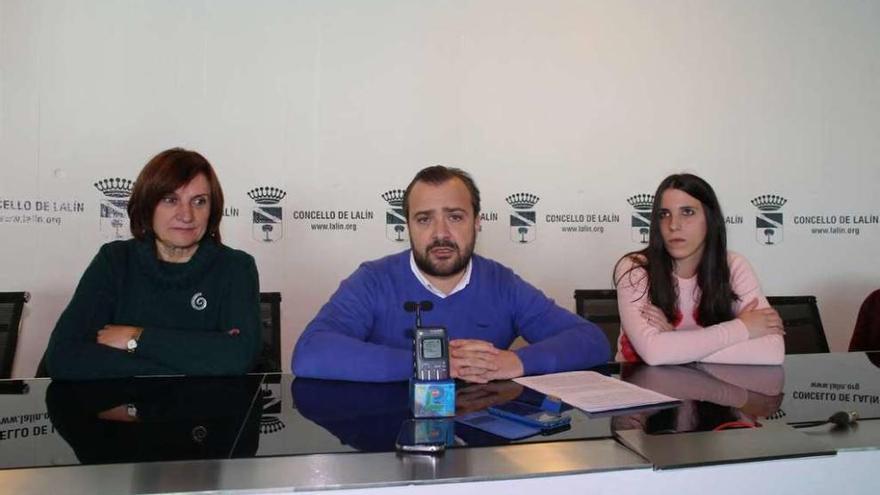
[[759, 322], [478, 361]]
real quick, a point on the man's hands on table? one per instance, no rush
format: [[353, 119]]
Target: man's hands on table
[[478, 361]]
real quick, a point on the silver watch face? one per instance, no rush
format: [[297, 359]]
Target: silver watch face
[[132, 344]]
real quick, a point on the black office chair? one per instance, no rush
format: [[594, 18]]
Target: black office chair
[[804, 333], [11, 307], [600, 307], [270, 327], [866, 334]]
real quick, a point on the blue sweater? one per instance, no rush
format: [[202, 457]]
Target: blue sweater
[[364, 334]]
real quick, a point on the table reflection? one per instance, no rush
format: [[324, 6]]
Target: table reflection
[[157, 419], [714, 397], [153, 419], [368, 416], [364, 416]]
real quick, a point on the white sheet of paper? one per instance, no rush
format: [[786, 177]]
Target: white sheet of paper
[[593, 392]]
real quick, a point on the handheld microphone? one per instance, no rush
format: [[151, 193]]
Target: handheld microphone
[[430, 345], [432, 391]]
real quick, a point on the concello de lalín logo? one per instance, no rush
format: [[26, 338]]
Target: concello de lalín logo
[[640, 222], [523, 217], [769, 219], [268, 225], [395, 220], [270, 396], [114, 220], [38, 211]]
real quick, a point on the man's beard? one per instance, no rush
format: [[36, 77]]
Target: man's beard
[[423, 259]]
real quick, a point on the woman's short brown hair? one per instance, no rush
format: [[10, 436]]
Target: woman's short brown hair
[[164, 174]]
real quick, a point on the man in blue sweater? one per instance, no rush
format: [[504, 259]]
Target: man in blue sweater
[[364, 334]]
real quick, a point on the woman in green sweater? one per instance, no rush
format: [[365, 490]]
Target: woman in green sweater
[[172, 300]]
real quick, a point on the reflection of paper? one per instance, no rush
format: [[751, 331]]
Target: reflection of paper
[[593, 392]]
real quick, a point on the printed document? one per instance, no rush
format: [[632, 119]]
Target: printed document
[[593, 392]]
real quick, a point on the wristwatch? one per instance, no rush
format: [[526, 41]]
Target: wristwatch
[[132, 343]]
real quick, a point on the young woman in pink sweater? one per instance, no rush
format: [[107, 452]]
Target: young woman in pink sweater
[[685, 298]]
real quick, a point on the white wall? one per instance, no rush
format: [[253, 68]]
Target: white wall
[[582, 103]]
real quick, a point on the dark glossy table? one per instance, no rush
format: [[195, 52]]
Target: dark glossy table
[[274, 432]]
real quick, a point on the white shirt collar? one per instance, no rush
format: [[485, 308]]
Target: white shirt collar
[[465, 280]]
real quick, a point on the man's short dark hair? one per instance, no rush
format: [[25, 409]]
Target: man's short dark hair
[[438, 174]]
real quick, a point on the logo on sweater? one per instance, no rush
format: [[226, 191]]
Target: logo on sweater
[[198, 302], [640, 225], [115, 192], [268, 225], [523, 217], [768, 221], [395, 220]]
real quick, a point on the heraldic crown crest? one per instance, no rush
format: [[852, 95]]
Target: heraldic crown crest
[[394, 197], [522, 201], [270, 424], [266, 195], [114, 187], [769, 202], [641, 202]]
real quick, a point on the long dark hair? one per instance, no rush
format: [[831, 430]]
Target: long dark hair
[[713, 273]]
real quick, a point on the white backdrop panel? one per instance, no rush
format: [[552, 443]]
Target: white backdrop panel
[[582, 104]]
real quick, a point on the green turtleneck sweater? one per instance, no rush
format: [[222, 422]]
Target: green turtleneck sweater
[[186, 311]]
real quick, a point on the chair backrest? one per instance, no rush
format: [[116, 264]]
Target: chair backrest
[[270, 328], [11, 307], [600, 307], [866, 334], [804, 333]]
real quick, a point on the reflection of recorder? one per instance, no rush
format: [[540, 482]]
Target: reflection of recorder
[[431, 354]]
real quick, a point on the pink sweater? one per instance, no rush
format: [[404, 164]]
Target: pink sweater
[[726, 342]]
